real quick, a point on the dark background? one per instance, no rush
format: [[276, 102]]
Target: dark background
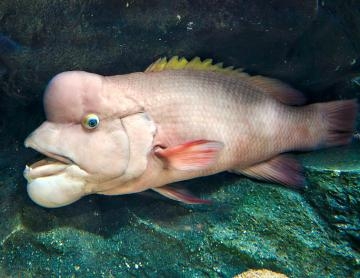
[[313, 45]]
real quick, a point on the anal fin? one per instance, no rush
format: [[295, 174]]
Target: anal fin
[[282, 169]]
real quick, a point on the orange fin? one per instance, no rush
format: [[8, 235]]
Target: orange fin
[[191, 156], [282, 169], [180, 195], [279, 90]]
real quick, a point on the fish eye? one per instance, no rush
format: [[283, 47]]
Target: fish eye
[[91, 121]]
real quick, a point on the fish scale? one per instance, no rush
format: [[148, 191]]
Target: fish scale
[[208, 114]]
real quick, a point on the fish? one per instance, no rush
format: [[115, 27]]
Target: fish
[[178, 120]]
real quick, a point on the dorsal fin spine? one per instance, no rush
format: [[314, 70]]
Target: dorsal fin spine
[[176, 63], [280, 91]]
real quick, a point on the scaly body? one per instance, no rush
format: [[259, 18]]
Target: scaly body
[[187, 105], [167, 125]]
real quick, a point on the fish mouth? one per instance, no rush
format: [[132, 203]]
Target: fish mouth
[[44, 168], [54, 180], [52, 157], [49, 156], [48, 166], [51, 164]]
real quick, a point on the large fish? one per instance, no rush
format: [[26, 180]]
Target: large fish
[[177, 120]]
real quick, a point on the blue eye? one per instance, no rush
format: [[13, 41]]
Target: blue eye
[[91, 121]]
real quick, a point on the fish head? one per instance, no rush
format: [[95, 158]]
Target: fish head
[[83, 138], [103, 151]]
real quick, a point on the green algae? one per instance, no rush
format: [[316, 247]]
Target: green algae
[[334, 176]]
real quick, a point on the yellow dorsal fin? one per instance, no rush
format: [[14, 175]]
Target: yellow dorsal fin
[[176, 63], [277, 89]]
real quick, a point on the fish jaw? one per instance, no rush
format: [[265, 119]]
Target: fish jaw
[[54, 181], [54, 184]]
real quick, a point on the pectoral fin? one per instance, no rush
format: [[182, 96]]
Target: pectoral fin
[[181, 195], [191, 156], [282, 169]]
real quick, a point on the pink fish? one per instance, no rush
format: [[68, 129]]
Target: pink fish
[[176, 121]]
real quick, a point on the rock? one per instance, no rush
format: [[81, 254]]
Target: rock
[[334, 177], [261, 273], [250, 225]]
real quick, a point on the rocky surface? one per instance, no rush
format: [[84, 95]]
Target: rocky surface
[[335, 191], [260, 273], [249, 225], [313, 45]]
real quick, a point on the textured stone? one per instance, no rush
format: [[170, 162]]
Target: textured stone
[[260, 273], [334, 177], [249, 225]]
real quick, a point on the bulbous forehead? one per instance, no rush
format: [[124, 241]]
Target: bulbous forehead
[[70, 95]]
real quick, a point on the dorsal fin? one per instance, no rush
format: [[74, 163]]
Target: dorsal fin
[[196, 64], [277, 89]]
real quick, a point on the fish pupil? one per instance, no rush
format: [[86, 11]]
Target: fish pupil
[[92, 122]]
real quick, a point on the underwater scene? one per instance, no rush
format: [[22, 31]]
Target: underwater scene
[[179, 138]]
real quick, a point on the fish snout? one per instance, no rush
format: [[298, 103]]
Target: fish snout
[[44, 143], [29, 142]]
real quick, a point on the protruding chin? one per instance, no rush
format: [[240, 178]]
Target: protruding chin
[[56, 190]]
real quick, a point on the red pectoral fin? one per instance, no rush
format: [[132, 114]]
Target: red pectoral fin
[[194, 155], [180, 195]]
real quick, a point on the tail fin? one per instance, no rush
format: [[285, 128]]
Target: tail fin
[[340, 117]]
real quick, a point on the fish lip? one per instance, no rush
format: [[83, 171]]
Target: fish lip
[[44, 168], [46, 161], [58, 157], [54, 156]]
